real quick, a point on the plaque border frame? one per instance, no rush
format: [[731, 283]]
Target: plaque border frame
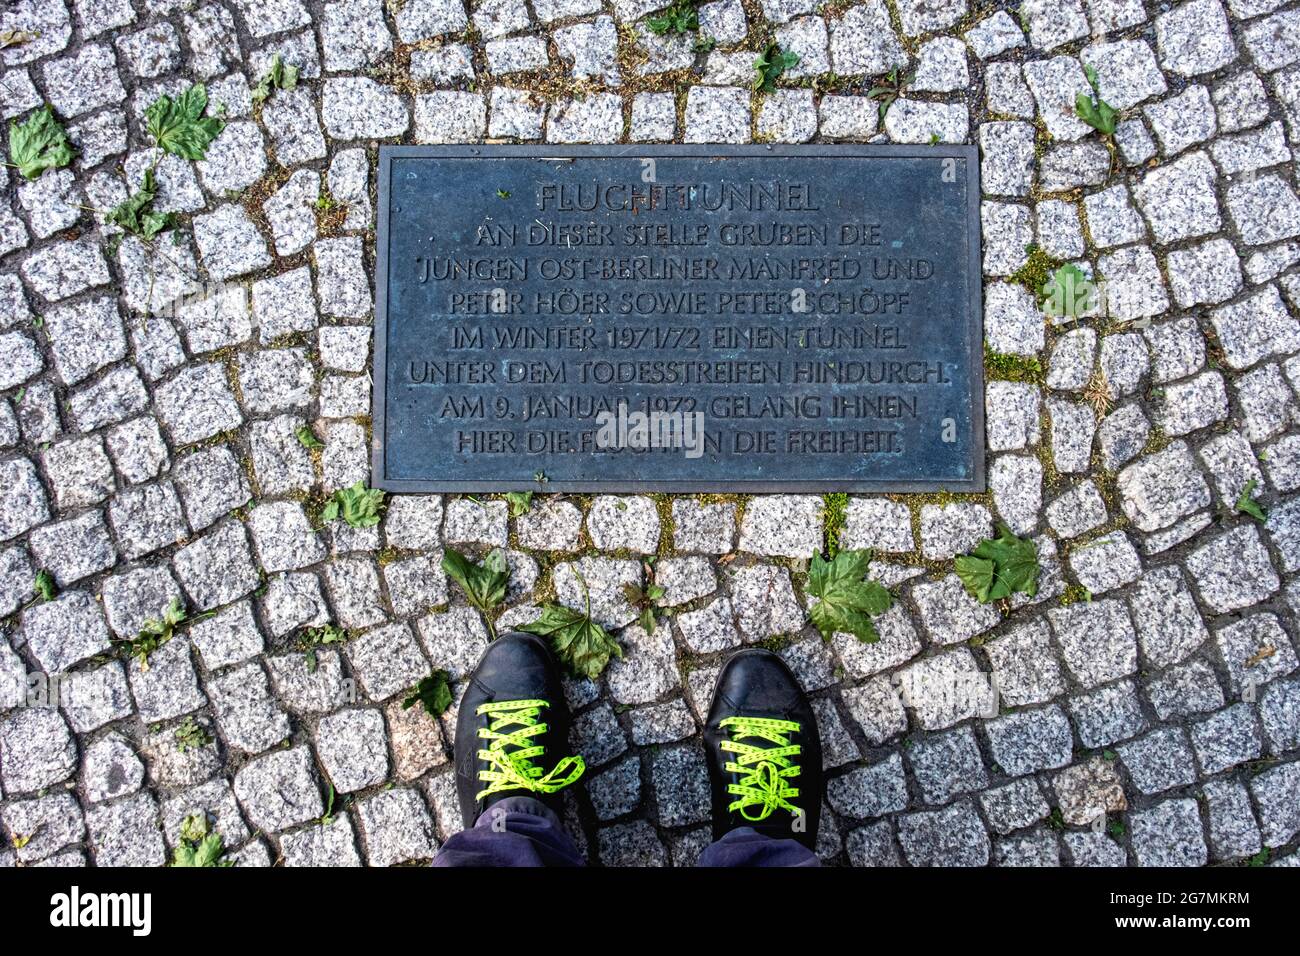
[[975, 327]]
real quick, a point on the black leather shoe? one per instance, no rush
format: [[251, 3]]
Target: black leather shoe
[[765, 755], [512, 723]]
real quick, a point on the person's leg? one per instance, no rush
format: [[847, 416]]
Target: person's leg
[[514, 831], [765, 766], [513, 720], [745, 846]]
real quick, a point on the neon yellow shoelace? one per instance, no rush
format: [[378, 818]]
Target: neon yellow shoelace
[[764, 771], [510, 754]]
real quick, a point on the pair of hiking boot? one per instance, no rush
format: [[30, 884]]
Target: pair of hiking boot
[[764, 753]]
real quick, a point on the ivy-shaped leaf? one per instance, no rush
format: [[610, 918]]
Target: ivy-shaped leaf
[[178, 125], [38, 144], [484, 584], [1068, 293], [433, 692], [519, 502], [846, 602], [1000, 567], [358, 505], [578, 642]]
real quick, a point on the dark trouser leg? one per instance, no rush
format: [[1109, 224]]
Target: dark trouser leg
[[747, 847], [514, 831]]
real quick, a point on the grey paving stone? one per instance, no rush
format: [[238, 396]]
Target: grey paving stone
[[1168, 834], [949, 614], [1194, 38], [169, 687], [387, 660], [764, 602], [1159, 761], [1231, 822], [51, 823], [65, 631], [945, 765], [1093, 849], [126, 833], [617, 790], [1107, 714], [1038, 847], [1279, 711], [953, 836], [1254, 650], [679, 779], [333, 844], [353, 749], [228, 637], [1184, 690], [248, 716], [1233, 571], [945, 689], [38, 750], [172, 767], [1029, 741], [1097, 640], [1227, 738], [1275, 792], [1162, 487], [279, 790], [870, 791], [216, 568]]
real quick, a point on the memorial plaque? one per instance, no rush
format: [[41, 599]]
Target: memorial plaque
[[678, 318]]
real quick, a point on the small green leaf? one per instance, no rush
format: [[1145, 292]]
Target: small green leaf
[[484, 584], [191, 735], [1068, 293], [1000, 567], [358, 505], [503, 194], [1247, 504], [135, 216], [44, 585], [307, 438], [519, 502], [279, 77], [154, 633], [770, 64], [681, 17], [199, 847], [578, 642], [38, 144], [846, 602], [178, 125], [1093, 110], [311, 638], [432, 692]]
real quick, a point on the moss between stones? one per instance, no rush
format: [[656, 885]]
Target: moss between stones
[[1012, 368], [833, 517], [1038, 268]]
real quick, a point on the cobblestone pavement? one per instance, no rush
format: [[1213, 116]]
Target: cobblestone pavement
[[1154, 677]]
